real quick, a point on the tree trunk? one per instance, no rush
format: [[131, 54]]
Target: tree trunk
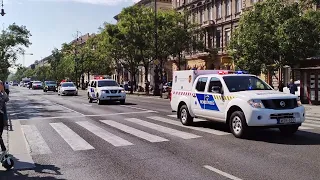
[[161, 76]]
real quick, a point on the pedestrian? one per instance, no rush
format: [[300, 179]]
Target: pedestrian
[[3, 99], [292, 87], [281, 86], [6, 88]]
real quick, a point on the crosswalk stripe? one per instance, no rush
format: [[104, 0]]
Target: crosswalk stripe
[[312, 125], [36, 142], [135, 132], [313, 122], [305, 128], [173, 132], [105, 135], [169, 121], [72, 138]]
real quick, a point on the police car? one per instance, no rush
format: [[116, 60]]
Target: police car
[[243, 101], [105, 90]]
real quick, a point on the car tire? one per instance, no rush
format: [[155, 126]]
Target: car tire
[[123, 102], [185, 117], [99, 101], [90, 100], [289, 130], [238, 125]]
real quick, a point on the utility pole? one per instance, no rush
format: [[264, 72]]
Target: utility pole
[[156, 71], [75, 57]]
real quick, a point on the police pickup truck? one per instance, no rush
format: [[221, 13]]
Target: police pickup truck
[[243, 101]]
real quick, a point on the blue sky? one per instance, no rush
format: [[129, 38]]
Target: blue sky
[[53, 22]]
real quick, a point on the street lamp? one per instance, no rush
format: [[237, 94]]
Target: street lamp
[[75, 55], [2, 10], [23, 54]]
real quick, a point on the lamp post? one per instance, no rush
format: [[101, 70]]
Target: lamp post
[[75, 56], [156, 71], [23, 58], [2, 10]]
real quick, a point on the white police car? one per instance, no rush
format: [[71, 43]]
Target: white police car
[[105, 90], [241, 100]]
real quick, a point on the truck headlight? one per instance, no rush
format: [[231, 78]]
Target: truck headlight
[[256, 103], [123, 91], [299, 102]]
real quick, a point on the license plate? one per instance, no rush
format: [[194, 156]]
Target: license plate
[[287, 120], [113, 97]]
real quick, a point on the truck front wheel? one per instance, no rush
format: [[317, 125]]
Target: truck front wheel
[[238, 124], [185, 117]]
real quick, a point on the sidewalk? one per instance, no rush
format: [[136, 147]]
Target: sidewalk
[[312, 112]]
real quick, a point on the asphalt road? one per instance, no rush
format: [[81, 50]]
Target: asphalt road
[[54, 137]]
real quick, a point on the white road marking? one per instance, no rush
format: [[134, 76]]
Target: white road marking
[[135, 132], [312, 121], [174, 132], [169, 121], [305, 128], [103, 134], [221, 172], [36, 142], [135, 108], [73, 139], [68, 109], [194, 120], [173, 115], [312, 125], [89, 105], [82, 116]]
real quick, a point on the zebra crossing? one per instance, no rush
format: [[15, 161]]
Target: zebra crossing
[[37, 145]]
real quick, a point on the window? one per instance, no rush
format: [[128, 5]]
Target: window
[[201, 17], [210, 13], [218, 38], [68, 85], [215, 85], [238, 6], [227, 36], [201, 84], [254, 1], [228, 8], [107, 83], [245, 83], [219, 12]]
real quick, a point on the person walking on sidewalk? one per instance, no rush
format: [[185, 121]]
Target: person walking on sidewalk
[[292, 87], [6, 88], [3, 99]]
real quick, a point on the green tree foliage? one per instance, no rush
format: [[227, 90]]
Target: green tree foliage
[[274, 33], [12, 41]]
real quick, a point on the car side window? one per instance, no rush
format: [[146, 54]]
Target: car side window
[[201, 84], [215, 85], [92, 84]]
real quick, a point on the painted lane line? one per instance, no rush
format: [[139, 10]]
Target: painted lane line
[[103, 134], [177, 123], [68, 109], [73, 139], [135, 108], [194, 119], [91, 115], [135, 132], [89, 105], [305, 128], [312, 121], [36, 142], [312, 125], [221, 172], [173, 132]]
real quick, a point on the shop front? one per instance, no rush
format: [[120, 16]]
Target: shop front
[[310, 85]]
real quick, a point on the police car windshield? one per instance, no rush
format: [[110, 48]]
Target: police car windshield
[[50, 82], [244, 83], [67, 85], [107, 83]]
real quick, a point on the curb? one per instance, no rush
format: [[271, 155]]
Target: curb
[[145, 96]]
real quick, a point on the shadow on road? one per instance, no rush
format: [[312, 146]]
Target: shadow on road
[[275, 136], [212, 125], [39, 172]]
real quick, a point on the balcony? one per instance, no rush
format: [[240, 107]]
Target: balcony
[[207, 23]]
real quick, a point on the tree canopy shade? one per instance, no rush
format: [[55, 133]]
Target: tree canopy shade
[[274, 33]]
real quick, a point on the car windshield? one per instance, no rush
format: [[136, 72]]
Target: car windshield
[[37, 82], [245, 83], [67, 85], [51, 82], [107, 83]]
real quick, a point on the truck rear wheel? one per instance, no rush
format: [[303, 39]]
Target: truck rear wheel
[[238, 125], [185, 117]]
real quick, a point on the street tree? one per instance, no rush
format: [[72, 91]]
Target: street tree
[[54, 61], [136, 23], [268, 36], [12, 41]]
